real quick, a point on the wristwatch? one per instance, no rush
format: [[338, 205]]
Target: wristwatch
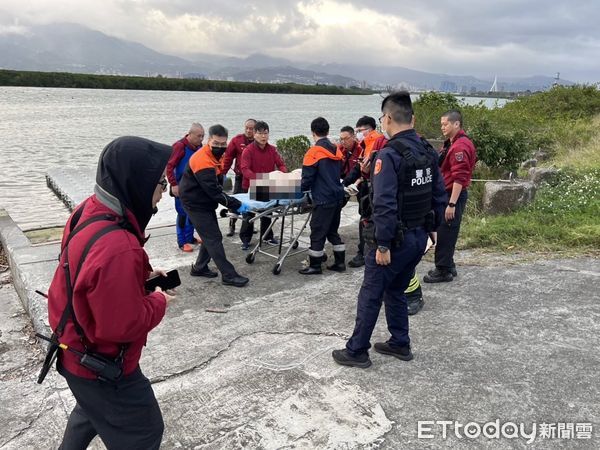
[[451, 205], [382, 249]]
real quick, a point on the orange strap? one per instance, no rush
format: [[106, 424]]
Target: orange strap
[[317, 153]]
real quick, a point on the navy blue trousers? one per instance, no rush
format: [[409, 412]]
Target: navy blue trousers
[[387, 284]]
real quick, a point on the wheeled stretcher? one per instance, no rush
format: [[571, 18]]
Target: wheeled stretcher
[[291, 228]]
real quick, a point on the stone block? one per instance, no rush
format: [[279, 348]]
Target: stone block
[[500, 198], [538, 175]]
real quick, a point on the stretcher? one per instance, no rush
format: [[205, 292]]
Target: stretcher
[[291, 228]]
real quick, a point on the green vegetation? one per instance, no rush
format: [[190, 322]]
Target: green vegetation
[[292, 150], [75, 80], [565, 123]]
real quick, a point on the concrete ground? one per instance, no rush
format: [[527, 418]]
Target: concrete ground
[[507, 340]]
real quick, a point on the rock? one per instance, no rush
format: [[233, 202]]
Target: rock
[[541, 155], [529, 163], [499, 198], [538, 175]]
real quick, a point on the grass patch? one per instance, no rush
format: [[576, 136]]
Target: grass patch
[[563, 217]]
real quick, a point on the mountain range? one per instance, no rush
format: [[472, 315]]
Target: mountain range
[[75, 48]]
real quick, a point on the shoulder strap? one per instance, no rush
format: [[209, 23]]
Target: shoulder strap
[[69, 310]]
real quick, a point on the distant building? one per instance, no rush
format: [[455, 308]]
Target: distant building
[[448, 86]]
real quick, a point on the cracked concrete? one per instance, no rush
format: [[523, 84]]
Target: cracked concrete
[[506, 340]]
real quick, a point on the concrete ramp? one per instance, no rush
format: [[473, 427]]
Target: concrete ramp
[[73, 185]]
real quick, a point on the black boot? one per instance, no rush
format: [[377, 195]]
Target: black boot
[[340, 262], [414, 301], [357, 261], [231, 227], [438, 276], [314, 268]]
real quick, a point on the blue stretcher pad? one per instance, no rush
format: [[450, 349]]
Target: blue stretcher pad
[[256, 205]]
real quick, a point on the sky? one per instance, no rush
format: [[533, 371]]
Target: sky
[[468, 37]]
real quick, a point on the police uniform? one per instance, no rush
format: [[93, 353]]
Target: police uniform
[[406, 187], [321, 176]]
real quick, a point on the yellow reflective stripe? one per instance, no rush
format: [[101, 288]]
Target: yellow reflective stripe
[[413, 285]]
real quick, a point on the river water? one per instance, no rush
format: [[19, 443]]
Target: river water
[[42, 128]]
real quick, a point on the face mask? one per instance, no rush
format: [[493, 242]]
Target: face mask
[[360, 136], [386, 135], [218, 151], [154, 210]]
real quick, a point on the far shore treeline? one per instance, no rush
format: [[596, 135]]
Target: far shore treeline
[[89, 81]]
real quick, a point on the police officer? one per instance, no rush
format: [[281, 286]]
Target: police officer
[[321, 176], [408, 200]]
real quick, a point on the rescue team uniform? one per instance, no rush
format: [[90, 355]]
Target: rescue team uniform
[[406, 186], [182, 152], [200, 194], [255, 161], [113, 311], [235, 150], [457, 162], [321, 176]]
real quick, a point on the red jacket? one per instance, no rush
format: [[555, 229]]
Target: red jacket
[[176, 156], [350, 157], [257, 160], [109, 299], [234, 151], [459, 158]]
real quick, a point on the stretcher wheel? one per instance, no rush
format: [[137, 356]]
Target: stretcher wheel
[[250, 258], [277, 269], [295, 246]]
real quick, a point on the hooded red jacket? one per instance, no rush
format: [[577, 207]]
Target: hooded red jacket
[[109, 299]]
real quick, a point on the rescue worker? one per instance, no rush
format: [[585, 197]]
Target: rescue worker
[[234, 151], [183, 149], [350, 148], [201, 193], [321, 176], [369, 140], [408, 199], [259, 158], [103, 308], [457, 162]]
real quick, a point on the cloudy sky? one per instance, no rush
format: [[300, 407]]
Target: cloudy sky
[[468, 37]]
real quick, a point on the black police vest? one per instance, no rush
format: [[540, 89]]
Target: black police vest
[[414, 183]]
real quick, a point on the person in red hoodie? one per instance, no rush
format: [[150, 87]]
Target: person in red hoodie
[[110, 312], [457, 161], [235, 148], [259, 158]]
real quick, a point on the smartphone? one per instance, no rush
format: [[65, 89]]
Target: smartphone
[[169, 282]]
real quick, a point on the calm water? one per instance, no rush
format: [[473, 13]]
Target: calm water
[[42, 128]]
